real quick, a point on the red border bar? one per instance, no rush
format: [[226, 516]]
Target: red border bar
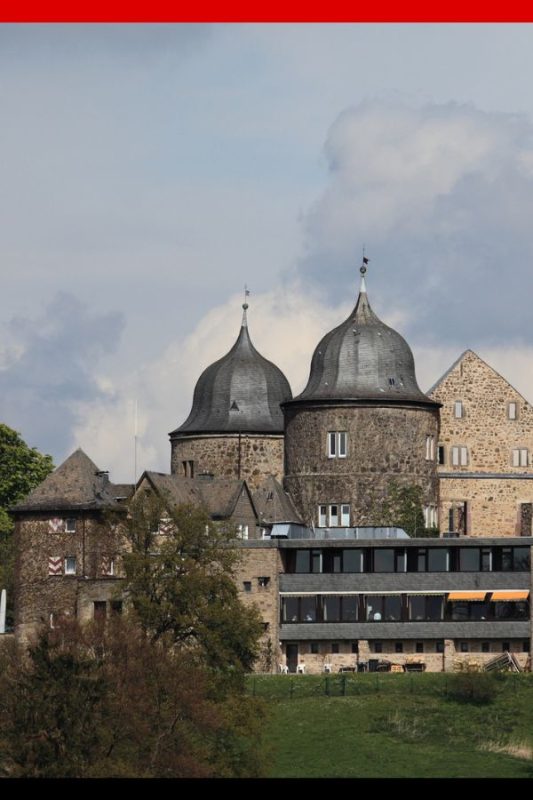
[[270, 11]]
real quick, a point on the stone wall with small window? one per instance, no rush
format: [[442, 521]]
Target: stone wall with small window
[[256, 457], [486, 427], [257, 579], [55, 556], [378, 446]]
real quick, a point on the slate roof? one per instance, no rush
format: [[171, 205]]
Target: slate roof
[[274, 505], [363, 360], [77, 484], [218, 496], [239, 393]]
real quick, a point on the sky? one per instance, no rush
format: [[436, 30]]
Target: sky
[[149, 172]]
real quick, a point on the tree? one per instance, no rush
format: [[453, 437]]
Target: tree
[[180, 581], [402, 508], [22, 468], [108, 701]]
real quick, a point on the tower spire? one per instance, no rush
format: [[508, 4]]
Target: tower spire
[[362, 270], [245, 306]]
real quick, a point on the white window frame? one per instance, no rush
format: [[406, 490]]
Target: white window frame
[[430, 448], [520, 457], [512, 410], [111, 567], [430, 516], [70, 525], [337, 444], [66, 570], [458, 409], [340, 520], [459, 456], [242, 532]]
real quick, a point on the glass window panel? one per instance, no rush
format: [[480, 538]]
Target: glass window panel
[[521, 559], [352, 560], [337, 561], [438, 559], [332, 444], [434, 607], [469, 559], [332, 608], [316, 561], [507, 559], [345, 516], [383, 560], [393, 608], [308, 609], [486, 559], [343, 440], [322, 516], [479, 611], [401, 560], [349, 608], [302, 561], [334, 516], [459, 611], [417, 607], [289, 607], [422, 560], [374, 608], [464, 456]]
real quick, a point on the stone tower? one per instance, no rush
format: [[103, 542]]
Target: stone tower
[[360, 424], [235, 427]]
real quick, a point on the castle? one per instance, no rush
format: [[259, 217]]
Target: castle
[[304, 481]]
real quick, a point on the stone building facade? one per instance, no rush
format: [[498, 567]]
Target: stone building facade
[[301, 480], [485, 452]]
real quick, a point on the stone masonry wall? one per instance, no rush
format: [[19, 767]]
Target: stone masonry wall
[[493, 506], [255, 564], [39, 594], [260, 456], [384, 445]]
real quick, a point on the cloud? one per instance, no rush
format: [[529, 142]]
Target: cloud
[[48, 367], [442, 196]]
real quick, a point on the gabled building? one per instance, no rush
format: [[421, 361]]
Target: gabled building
[[484, 452]]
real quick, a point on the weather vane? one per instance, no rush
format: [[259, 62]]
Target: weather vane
[[246, 295], [365, 262]]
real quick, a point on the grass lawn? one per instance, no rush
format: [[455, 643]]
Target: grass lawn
[[396, 726]]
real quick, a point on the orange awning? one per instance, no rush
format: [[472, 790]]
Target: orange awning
[[466, 595], [521, 595]]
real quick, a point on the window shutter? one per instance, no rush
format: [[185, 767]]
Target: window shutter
[[55, 565]]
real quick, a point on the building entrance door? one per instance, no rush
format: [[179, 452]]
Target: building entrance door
[[292, 657]]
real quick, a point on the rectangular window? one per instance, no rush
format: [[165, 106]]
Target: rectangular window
[[110, 566], [520, 457], [441, 454], [334, 516], [70, 525], [242, 531], [378, 647], [485, 647], [355, 647], [438, 559], [430, 516], [511, 411], [384, 560], [335, 647], [100, 609], [506, 647], [439, 647], [350, 606], [263, 581], [352, 561], [521, 559], [458, 409], [247, 586], [313, 648], [331, 605], [398, 647], [308, 609], [419, 647], [70, 565], [345, 516], [289, 609], [316, 561], [459, 456], [469, 560], [302, 561], [337, 444], [464, 647], [430, 448], [486, 559], [322, 516]]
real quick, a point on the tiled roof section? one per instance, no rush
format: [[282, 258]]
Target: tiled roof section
[[239, 393], [218, 496], [363, 360], [122, 491], [77, 484], [273, 504]]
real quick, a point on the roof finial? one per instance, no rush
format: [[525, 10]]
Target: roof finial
[[245, 306], [362, 270]]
